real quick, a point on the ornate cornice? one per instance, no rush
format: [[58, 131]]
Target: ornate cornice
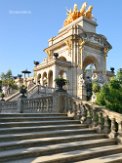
[[97, 40], [51, 63]]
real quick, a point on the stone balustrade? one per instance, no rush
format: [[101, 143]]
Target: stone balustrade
[[105, 121], [38, 105], [8, 107], [39, 91], [35, 105]]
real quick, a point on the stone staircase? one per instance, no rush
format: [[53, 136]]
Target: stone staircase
[[53, 138]]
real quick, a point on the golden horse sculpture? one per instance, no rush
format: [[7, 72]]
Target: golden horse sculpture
[[73, 15], [88, 13]]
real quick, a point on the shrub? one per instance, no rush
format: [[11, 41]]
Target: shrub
[[111, 94]]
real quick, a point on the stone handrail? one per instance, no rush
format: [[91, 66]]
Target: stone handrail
[[8, 107], [49, 62], [40, 90], [12, 96], [105, 121], [36, 90], [38, 105]]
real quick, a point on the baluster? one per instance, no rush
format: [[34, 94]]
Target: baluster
[[37, 105], [34, 105], [106, 128], [46, 103], [99, 126], [40, 104], [77, 111], [113, 133], [119, 137], [94, 118], [30, 104], [49, 104], [38, 101], [83, 114], [88, 116]]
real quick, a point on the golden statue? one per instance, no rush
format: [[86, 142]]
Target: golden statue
[[88, 13], [73, 15], [83, 9]]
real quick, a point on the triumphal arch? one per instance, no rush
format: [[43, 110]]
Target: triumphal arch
[[75, 47]]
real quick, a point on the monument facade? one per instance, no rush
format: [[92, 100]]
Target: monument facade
[[76, 46]]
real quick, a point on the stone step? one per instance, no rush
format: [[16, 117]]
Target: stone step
[[53, 149], [21, 136], [111, 154], [114, 158], [40, 128], [31, 114], [47, 141], [38, 123], [21, 119]]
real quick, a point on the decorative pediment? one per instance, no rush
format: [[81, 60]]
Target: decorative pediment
[[96, 39]]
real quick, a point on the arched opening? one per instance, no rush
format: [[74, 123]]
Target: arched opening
[[90, 60], [50, 79], [39, 78], [44, 79], [89, 67], [62, 59], [89, 70]]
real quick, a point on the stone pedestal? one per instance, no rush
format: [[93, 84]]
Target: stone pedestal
[[59, 101]]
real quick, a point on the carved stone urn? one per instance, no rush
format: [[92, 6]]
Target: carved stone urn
[[60, 82]]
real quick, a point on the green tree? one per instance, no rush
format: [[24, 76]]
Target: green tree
[[95, 87], [111, 94], [7, 80]]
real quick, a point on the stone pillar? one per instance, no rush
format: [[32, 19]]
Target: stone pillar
[[59, 101], [20, 108]]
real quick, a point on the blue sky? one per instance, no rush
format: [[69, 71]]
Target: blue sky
[[26, 26]]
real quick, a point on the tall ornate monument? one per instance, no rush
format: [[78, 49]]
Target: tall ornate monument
[[75, 47]]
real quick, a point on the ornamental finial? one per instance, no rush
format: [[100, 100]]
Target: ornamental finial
[[74, 14]]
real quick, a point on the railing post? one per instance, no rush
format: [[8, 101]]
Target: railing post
[[99, 127], [106, 129], [20, 108], [88, 117], [94, 118], [59, 101], [83, 114], [113, 133]]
